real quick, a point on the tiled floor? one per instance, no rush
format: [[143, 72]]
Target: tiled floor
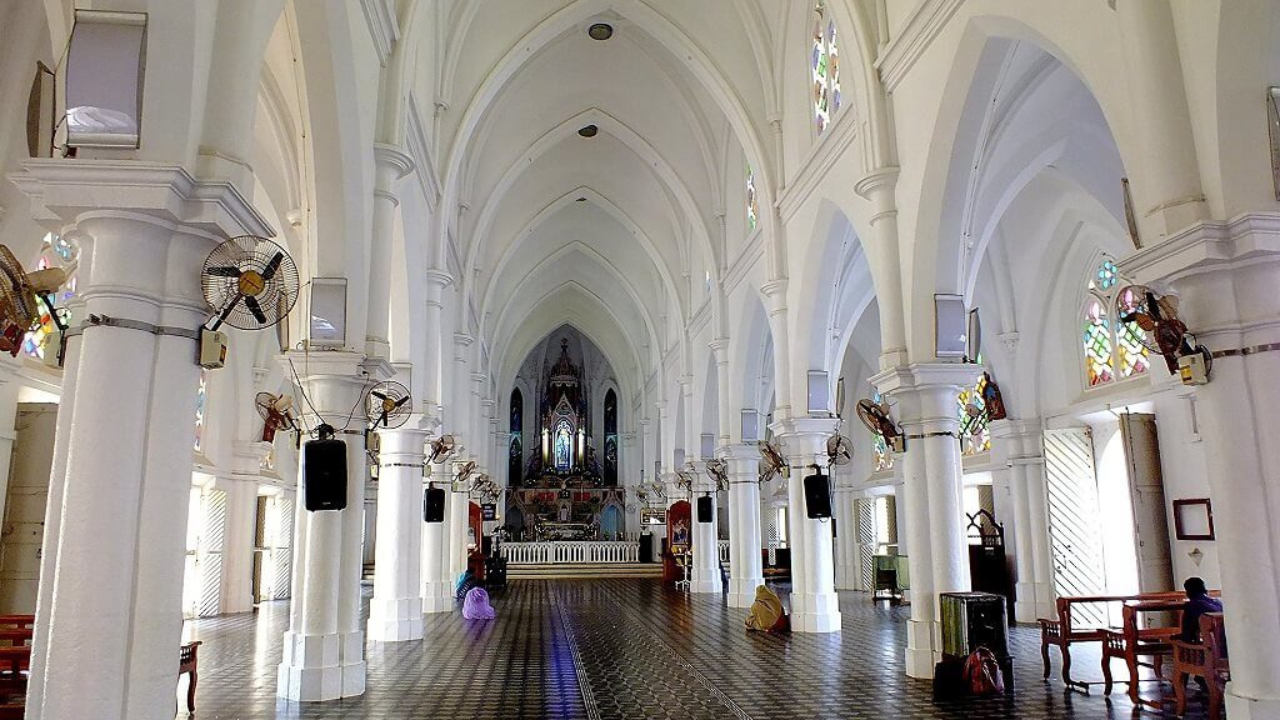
[[629, 649]]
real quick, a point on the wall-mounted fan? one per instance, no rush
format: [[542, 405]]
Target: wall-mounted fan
[[876, 418], [485, 487], [276, 412], [1161, 331], [19, 291], [839, 450], [464, 472], [685, 477], [771, 462], [718, 471], [250, 282], [387, 405], [441, 449]]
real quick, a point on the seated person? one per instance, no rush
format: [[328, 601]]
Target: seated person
[[1198, 603], [476, 606], [466, 581], [767, 613]]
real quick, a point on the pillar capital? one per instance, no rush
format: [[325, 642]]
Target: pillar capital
[[878, 184], [391, 161], [804, 439]]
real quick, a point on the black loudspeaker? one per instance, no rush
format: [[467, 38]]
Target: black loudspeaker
[[705, 508], [817, 496], [326, 474], [433, 505]]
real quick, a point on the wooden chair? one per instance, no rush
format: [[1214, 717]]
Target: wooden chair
[[1063, 632], [187, 660], [1204, 660]]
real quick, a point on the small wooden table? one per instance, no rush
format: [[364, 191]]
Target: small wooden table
[[1132, 643]]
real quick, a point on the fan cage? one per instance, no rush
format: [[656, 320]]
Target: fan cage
[[243, 254]]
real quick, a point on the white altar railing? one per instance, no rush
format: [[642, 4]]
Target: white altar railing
[[571, 551]]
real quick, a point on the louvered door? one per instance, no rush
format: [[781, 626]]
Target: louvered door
[[1075, 534]]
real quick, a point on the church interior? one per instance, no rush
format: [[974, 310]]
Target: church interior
[[639, 359]]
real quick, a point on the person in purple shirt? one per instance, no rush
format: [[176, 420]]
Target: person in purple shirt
[[1198, 603]]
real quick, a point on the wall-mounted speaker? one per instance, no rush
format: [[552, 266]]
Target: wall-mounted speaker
[[817, 496], [950, 326], [325, 474], [706, 509], [433, 505]]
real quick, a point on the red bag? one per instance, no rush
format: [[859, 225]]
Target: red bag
[[982, 673]]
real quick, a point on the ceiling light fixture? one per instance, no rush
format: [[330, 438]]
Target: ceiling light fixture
[[600, 31], [588, 131]]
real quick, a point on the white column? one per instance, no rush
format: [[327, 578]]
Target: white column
[[814, 604], [1021, 440], [390, 163], [437, 583], [746, 568], [238, 543], [1227, 274], [706, 546], [395, 612], [459, 519], [109, 612], [845, 509], [925, 398], [323, 657]]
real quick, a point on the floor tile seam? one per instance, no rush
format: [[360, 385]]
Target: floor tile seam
[[579, 668], [683, 659]]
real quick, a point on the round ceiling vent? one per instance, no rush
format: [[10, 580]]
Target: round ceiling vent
[[588, 131], [600, 31]]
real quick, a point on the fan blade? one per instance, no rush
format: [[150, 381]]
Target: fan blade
[[226, 311], [270, 270], [378, 395], [251, 302], [402, 401], [224, 271], [382, 419]]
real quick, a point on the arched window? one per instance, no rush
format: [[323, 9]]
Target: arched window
[[824, 66], [515, 458], [974, 436], [753, 207], [611, 438], [54, 252], [880, 448], [1112, 348]]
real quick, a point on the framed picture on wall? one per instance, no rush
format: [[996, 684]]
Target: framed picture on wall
[[1193, 519]]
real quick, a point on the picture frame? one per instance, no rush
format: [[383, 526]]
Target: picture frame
[[1193, 519]]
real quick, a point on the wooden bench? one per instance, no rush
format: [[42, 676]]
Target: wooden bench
[[1133, 644], [1205, 660], [187, 660], [1063, 633]]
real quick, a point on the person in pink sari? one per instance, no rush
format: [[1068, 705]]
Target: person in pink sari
[[476, 605]]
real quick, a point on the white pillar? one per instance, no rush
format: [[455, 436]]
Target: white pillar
[[933, 476], [437, 582], [844, 507], [323, 656], [814, 604], [109, 611], [1227, 274], [459, 519], [390, 163], [1021, 441], [746, 567], [236, 595], [706, 546], [395, 612]]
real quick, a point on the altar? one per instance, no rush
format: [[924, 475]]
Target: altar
[[544, 514]]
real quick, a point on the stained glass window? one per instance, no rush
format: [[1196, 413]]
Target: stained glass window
[[880, 448], [1097, 343], [824, 66], [54, 252], [563, 446], [972, 407], [1112, 349], [753, 207], [202, 393]]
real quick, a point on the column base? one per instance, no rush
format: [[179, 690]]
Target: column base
[[705, 586], [353, 665], [395, 620], [742, 591], [815, 613], [309, 670], [437, 597], [1239, 706], [920, 658]]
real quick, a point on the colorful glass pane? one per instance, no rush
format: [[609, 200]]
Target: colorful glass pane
[[1131, 355], [1097, 344], [880, 448], [753, 207], [824, 65], [202, 393], [55, 252], [973, 423], [1107, 275]]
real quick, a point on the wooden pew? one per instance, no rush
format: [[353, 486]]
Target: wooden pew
[[1132, 644], [1204, 659], [187, 660], [1063, 633]]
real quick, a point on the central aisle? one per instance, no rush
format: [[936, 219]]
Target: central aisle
[[624, 648]]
